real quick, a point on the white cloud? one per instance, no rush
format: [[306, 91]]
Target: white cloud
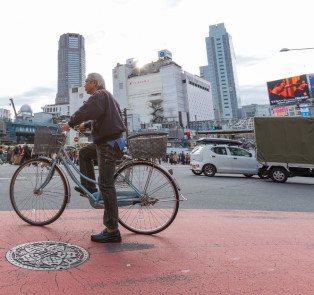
[[117, 30]]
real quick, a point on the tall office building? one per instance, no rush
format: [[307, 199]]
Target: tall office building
[[221, 73], [71, 65], [162, 93]]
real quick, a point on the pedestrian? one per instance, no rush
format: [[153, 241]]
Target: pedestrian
[[9, 155], [101, 113], [187, 159], [182, 158], [171, 157], [175, 158], [16, 154], [26, 155], [1, 153], [76, 156], [167, 158]]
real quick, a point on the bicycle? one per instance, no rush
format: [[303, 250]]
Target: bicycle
[[148, 195]]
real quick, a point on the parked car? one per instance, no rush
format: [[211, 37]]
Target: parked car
[[215, 158]]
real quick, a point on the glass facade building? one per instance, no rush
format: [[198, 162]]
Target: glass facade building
[[71, 65], [221, 73]]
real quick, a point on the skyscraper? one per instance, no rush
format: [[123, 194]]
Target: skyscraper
[[71, 65], [221, 73]]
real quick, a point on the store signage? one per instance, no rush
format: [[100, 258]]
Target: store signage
[[139, 82]]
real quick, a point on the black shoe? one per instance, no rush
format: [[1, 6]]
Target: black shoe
[[78, 189], [107, 237]]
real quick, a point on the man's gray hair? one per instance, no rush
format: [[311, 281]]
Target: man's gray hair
[[98, 78]]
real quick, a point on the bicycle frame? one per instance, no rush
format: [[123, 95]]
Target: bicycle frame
[[132, 196]]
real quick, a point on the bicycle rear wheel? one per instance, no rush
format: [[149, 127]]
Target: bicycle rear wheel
[[38, 208], [159, 202]]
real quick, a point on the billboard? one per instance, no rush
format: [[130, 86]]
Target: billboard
[[288, 90], [311, 82], [279, 112], [305, 112]]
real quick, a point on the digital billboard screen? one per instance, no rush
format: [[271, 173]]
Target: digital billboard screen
[[279, 112], [311, 82], [288, 90]]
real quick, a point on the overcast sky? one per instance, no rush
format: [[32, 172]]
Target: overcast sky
[[116, 30]]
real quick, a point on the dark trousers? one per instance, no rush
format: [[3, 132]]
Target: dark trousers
[[86, 156], [106, 157]]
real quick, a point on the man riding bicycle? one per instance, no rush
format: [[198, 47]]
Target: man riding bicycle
[[106, 122]]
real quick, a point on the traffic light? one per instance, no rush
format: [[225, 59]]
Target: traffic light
[[214, 127], [187, 135]]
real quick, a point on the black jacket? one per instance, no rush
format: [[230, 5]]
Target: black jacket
[[105, 115]]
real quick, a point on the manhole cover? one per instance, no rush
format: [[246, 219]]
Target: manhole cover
[[47, 255]]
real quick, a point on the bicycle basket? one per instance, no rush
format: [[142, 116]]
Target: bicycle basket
[[148, 145], [47, 140]]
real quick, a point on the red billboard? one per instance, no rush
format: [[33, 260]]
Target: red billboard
[[279, 112], [288, 90]]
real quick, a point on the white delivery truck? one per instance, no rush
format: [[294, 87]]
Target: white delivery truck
[[284, 147]]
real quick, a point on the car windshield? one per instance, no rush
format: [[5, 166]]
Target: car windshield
[[197, 149]]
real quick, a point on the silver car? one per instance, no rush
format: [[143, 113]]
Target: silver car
[[211, 159]]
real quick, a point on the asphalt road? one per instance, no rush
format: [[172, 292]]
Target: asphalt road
[[219, 192]]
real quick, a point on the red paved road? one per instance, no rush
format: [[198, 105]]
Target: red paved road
[[203, 252]]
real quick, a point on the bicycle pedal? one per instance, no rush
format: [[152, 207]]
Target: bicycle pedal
[[84, 196]]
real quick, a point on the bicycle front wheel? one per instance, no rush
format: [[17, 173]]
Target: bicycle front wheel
[[156, 207], [33, 206]]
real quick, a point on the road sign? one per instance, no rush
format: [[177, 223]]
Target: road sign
[[76, 139]]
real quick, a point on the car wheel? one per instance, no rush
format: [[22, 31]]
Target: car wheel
[[278, 174], [248, 175], [209, 170], [197, 172]]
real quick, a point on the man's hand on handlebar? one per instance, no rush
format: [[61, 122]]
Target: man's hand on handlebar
[[80, 127], [66, 127]]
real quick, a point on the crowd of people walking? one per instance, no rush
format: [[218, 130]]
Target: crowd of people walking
[[16, 154], [181, 158]]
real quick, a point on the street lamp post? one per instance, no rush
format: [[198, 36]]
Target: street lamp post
[[288, 49]]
